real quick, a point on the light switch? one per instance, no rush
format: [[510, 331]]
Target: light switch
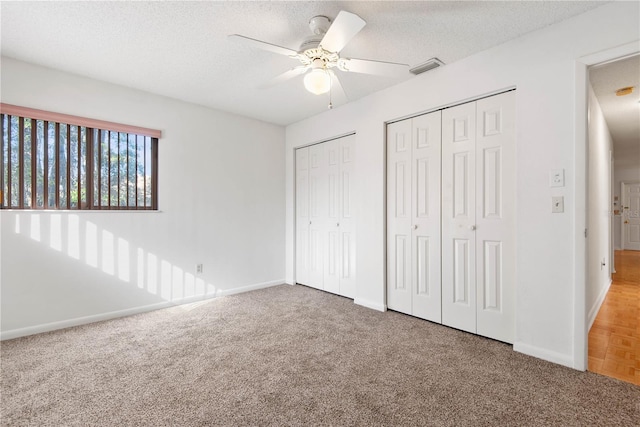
[[557, 204], [556, 178]]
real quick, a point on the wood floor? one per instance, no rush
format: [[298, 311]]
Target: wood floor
[[614, 338]]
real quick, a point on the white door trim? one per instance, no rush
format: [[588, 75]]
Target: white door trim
[[580, 331]]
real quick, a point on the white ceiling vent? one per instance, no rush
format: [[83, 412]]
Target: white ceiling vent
[[426, 66]]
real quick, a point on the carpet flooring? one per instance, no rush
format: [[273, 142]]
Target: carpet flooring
[[291, 355]]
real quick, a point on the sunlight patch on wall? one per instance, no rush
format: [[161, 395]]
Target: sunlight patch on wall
[[116, 256], [123, 260], [165, 280], [91, 244], [152, 273], [107, 253], [140, 265], [73, 240], [178, 283], [35, 227], [55, 232]]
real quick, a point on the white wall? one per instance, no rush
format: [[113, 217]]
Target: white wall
[[542, 66], [598, 209], [221, 199]]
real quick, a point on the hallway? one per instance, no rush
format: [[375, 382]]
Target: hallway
[[614, 338]]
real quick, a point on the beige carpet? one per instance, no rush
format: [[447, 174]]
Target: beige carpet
[[291, 355]]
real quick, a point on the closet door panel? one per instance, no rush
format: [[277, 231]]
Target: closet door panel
[[332, 235], [399, 217], [458, 217], [302, 215], [495, 213], [318, 213], [347, 225], [426, 271]]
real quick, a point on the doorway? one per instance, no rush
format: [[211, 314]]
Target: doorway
[[613, 285]]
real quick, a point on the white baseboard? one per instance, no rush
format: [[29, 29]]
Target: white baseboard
[[47, 327], [370, 304], [596, 305], [541, 353]]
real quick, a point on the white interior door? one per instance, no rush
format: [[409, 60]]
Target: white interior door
[[495, 215], [631, 217], [425, 237], [318, 213], [325, 216], [302, 215], [331, 229], [399, 216], [413, 216], [458, 217], [347, 221]]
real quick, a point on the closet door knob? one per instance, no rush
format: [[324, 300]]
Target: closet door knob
[[472, 227], [415, 226], [337, 224]]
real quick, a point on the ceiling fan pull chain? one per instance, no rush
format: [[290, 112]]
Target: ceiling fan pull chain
[[330, 87]]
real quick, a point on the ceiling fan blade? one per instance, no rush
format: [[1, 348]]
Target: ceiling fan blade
[[379, 68], [344, 27], [294, 72], [263, 45], [338, 94]]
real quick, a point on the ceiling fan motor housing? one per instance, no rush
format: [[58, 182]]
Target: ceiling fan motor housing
[[311, 42]]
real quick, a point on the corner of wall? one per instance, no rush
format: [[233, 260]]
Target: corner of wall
[[370, 304], [544, 354], [595, 308]]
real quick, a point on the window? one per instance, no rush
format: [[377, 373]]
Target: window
[[55, 161]]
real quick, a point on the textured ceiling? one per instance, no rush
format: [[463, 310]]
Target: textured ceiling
[[622, 113], [180, 49]]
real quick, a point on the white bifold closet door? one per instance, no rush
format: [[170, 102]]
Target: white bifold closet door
[[413, 216], [325, 221], [478, 211]]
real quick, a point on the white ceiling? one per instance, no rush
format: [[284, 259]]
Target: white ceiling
[[180, 49], [622, 113]]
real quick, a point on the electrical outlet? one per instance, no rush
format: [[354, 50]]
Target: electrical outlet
[[557, 204], [199, 268], [556, 178]]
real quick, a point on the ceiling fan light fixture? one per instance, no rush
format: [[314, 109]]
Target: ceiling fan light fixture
[[624, 91], [317, 81]]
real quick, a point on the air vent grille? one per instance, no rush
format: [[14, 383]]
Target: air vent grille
[[426, 66]]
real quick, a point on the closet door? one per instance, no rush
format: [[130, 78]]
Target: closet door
[[302, 215], [458, 217], [413, 216], [399, 272], [325, 216], [318, 213], [347, 223], [495, 213], [425, 233], [332, 224]]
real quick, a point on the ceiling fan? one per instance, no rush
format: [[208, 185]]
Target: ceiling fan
[[319, 55]]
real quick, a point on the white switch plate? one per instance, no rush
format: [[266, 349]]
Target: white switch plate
[[556, 178], [557, 204]]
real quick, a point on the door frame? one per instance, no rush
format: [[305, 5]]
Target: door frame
[[581, 102], [623, 184]]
